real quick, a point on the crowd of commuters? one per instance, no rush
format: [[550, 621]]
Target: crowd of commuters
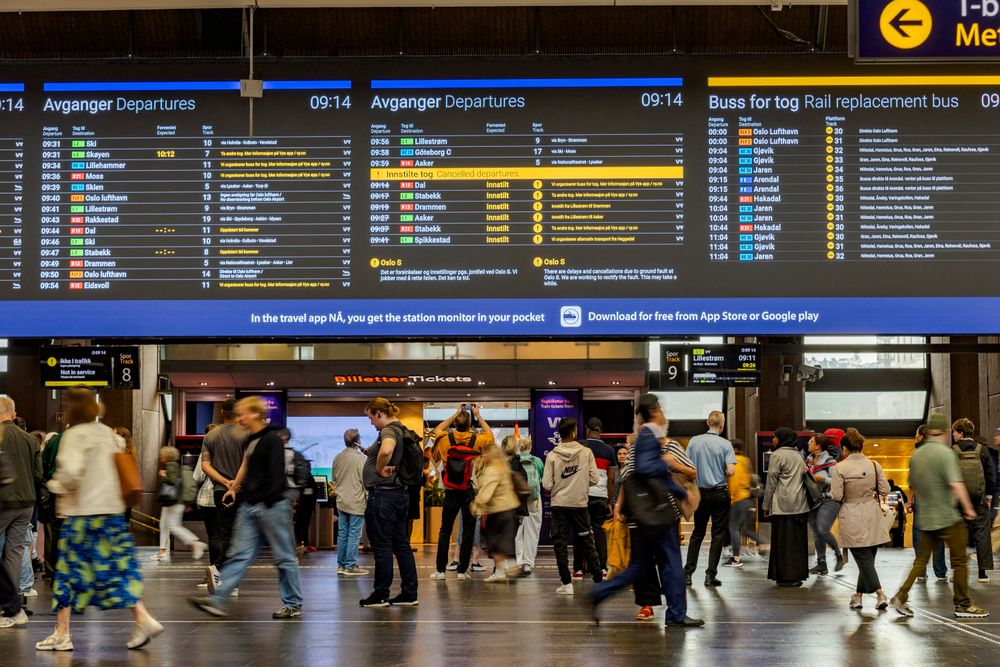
[[247, 488]]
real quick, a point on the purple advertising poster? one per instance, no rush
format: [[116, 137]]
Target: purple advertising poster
[[548, 406], [276, 401]]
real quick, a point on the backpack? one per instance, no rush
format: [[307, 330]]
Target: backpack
[[972, 470], [457, 473], [299, 471], [531, 474], [189, 489], [410, 461], [519, 478]]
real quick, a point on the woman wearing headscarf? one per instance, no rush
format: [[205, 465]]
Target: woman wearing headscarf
[[858, 482], [786, 503]]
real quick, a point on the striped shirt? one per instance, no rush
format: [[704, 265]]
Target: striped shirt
[[671, 447]]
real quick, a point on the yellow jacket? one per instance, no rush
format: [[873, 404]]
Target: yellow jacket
[[495, 490], [739, 483]]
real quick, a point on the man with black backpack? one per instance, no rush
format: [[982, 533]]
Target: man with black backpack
[[976, 464], [458, 449]]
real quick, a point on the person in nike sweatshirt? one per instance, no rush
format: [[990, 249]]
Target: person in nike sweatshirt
[[570, 471]]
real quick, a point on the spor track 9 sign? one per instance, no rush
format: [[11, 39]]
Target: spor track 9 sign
[[923, 30]]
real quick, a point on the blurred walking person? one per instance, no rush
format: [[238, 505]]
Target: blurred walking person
[[857, 484], [786, 503], [172, 507], [742, 500], [497, 502], [526, 540], [97, 562]]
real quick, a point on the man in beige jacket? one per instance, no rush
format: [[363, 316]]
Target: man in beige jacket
[[570, 471]]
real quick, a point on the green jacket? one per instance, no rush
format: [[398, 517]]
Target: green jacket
[[22, 449]]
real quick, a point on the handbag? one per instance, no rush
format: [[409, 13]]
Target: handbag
[[814, 493], [129, 479], [688, 505], [652, 506], [168, 493], [888, 512]]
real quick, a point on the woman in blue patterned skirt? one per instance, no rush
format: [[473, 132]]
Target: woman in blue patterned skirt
[[97, 564]]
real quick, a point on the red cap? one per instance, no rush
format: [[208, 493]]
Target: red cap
[[835, 434]]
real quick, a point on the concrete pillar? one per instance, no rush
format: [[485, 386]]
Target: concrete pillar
[[149, 432]]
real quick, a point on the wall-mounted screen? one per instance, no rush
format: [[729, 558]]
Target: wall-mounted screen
[[320, 439], [506, 198]]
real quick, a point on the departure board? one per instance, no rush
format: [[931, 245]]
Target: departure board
[[605, 197]]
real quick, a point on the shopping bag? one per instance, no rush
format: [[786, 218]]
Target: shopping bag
[[619, 546]]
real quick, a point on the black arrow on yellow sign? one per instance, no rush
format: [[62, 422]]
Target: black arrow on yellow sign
[[898, 22]]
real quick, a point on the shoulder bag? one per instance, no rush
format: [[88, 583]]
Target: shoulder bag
[[888, 513], [129, 478], [652, 506]]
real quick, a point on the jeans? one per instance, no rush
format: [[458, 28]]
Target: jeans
[[526, 541], [714, 505], [940, 566], [456, 502], [979, 531], [227, 519], [14, 525], [571, 524], [27, 572], [348, 537], [867, 576], [386, 518], [597, 508], [737, 525], [956, 536], [821, 520], [665, 552], [172, 523], [255, 523]]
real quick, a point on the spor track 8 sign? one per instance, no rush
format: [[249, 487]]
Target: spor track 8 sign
[[924, 30]]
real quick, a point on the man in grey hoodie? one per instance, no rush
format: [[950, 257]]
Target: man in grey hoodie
[[570, 471]]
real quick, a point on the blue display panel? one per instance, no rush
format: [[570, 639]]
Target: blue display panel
[[511, 198]]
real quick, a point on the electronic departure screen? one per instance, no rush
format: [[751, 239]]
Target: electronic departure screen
[[503, 198], [725, 366]]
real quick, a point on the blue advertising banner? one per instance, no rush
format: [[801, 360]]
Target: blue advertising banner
[[276, 401], [924, 30], [548, 407]]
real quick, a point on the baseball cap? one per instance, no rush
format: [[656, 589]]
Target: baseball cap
[[834, 434], [595, 424], [937, 422]]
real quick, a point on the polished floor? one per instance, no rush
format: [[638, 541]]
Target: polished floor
[[748, 622]]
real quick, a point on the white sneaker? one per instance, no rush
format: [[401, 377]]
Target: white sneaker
[[56, 642], [464, 576], [437, 576], [144, 632], [158, 557], [235, 593], [565, 589], [31, 594], [498, 577], [356, 571], [20, 618], [198, 550], [341, 571]]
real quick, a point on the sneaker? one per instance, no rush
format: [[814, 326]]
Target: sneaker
[[374, 600], [513, 572], [452, 566], [56, 642], [901, 607], [20, 618], [565, 589], [819, 568], [144, 632], [437, 576], [943, 580], [207, 605], [525, 570], [287, 612], [972, 611], [477, 567], [235, 593], [855, 601], [578, 574], [31, 593], [356, 571], [464, 576], [159, 558], [922, 579], [198, 550], [212, 579], [882, 602], [645, 614], [983, 577], [840, 563], [403, 601], [203, 584], [734, 563], [342, 571], [498, 577]]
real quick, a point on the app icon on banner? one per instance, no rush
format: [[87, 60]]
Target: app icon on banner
[[570, 316]]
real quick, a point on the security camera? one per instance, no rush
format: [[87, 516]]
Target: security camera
[[809, 373]]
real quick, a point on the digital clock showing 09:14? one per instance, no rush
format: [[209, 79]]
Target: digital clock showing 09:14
[[11, 104], [653, 99], [329, 102]]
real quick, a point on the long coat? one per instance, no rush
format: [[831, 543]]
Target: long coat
[[855, 480], [784, 492]]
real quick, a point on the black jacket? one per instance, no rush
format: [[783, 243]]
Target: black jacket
[[22, 449], [265, 481]]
